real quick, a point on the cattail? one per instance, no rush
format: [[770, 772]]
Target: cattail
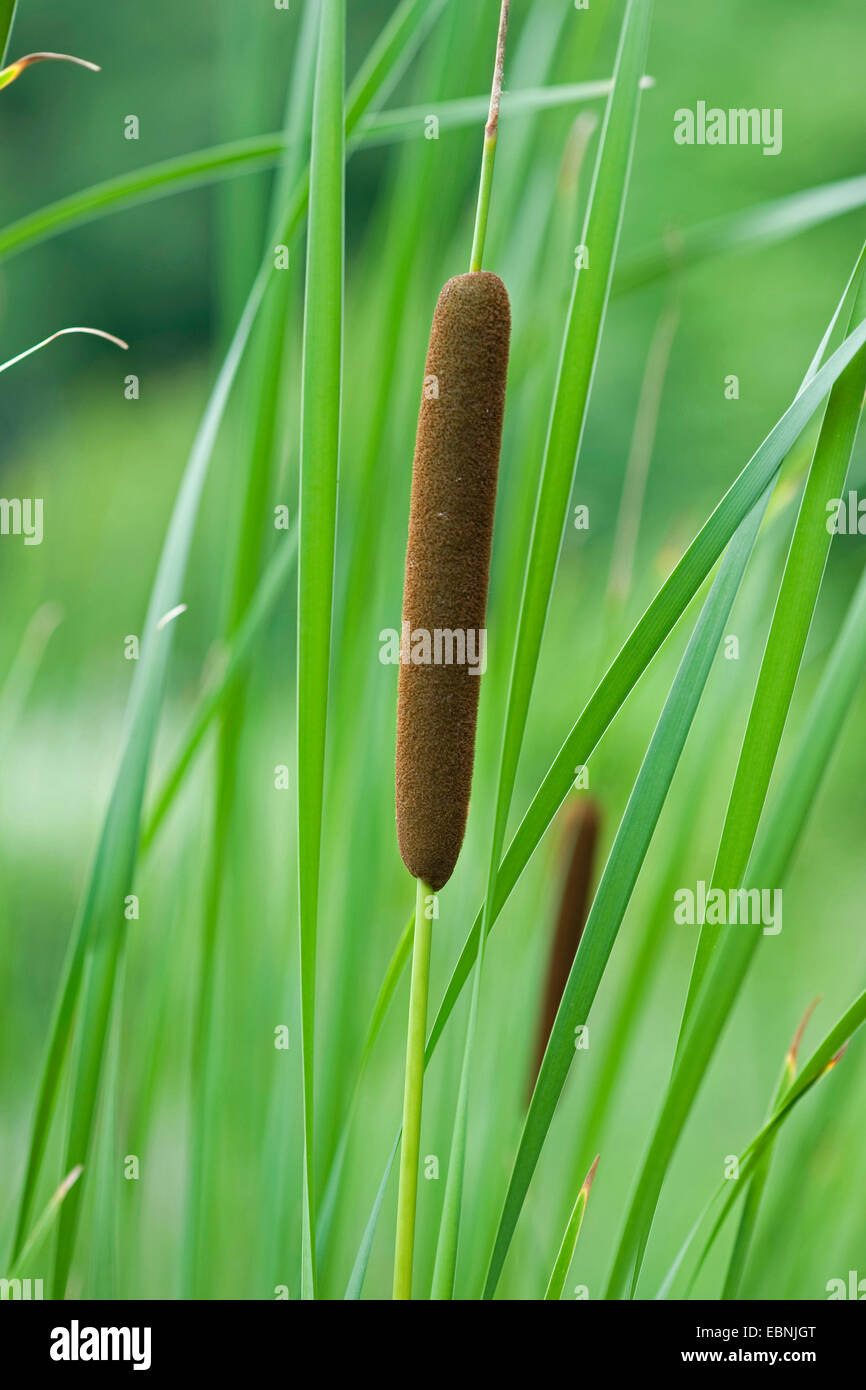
[[447, 567], [443, 643], [581, 837]]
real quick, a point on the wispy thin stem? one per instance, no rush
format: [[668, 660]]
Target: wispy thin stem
[[491, 135]]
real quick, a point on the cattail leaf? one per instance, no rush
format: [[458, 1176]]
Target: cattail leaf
[[43, 1224], [7, 19], [114, 862], [580, 347], [320, 457], [762, 225], [758, 1181], [792, 619], [780, 666], [621, 871], [752, 1164], [237, 653], [565, 1256], [251, 155], [779, 837]]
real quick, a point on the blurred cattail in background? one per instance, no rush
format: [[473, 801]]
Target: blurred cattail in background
[[580, 837]]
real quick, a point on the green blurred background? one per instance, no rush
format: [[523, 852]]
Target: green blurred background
[[171, 278]]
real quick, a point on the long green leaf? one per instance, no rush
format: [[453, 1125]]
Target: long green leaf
[[752, 1163], [7, 19], [236, 656], [320, 458], [763, 225], [621, 871], [268, 372], [256, 153], [792, 619], [769, 864], [565, 1255], [580, 348], [124, 811]]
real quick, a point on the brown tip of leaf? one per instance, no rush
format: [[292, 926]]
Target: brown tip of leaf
[[837, 1058], [588, 1180], [793, 1050], [492, 126], [69, 1181], [30, 58]]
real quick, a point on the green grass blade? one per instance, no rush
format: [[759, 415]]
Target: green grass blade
[[763, 225], [268, 387], [149, 676], [580, 348], [772, 856], [101, 923], [22, 673], [753, 1163], [362, 1259], [320, 456], [389, 56], [113, 867], [253, 154], [620, 874], [7, 19], [757, 1183], [236, 657], [792, 619], [564, 1258], [396, 966], [43, 1225]]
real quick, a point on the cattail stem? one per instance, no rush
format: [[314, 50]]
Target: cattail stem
[[491, 133], [412, 1095]]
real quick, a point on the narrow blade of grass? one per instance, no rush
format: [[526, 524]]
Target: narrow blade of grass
[[255, 153], [620, 874], [752, 1164], [564, 1258], [779, 837], [237, 654], [792, 619], [763, 225], [124, 812], [7, 19], [580, 349], [43, 1224], [113, 867], [320, 457], [267, 387], [355, 1285]]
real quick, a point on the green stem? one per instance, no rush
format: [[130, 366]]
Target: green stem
[[491, 135], [412, 1095]]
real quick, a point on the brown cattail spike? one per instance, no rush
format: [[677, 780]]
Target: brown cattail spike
[[443, 649], [581, 835]]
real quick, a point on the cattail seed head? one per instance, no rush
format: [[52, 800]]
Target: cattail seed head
[[447, 568], [581, 837]]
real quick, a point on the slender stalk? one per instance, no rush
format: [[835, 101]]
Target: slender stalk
[[412, 1094], [491, 135]]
